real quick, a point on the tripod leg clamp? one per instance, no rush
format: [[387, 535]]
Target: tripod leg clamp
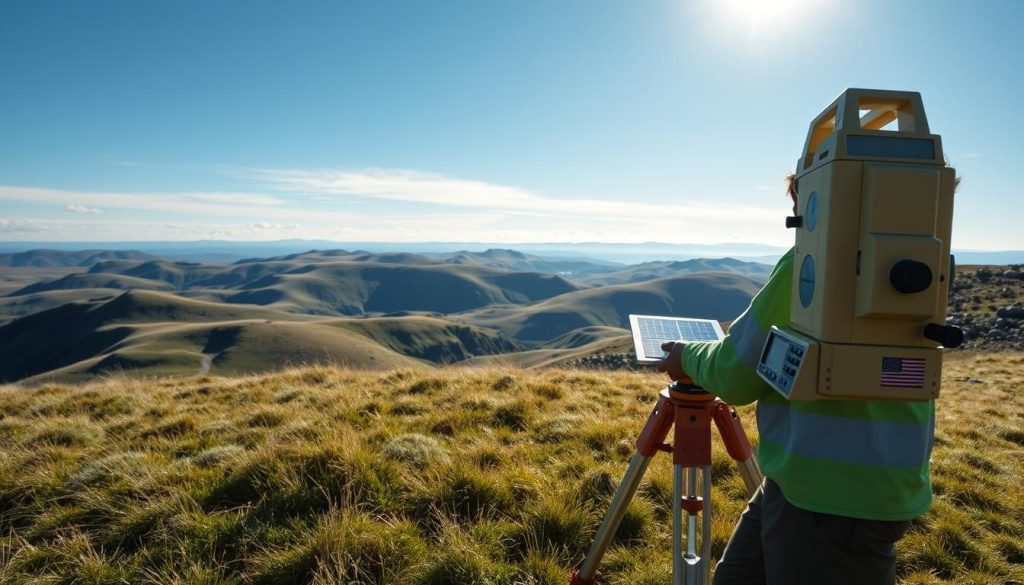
[[692, 504]]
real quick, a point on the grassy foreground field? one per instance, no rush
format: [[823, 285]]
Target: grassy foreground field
[[452, 476]]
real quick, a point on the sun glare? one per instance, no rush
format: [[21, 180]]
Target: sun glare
[[763, 12], [762, 19]]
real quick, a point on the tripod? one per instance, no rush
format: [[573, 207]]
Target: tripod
[[690, 410]]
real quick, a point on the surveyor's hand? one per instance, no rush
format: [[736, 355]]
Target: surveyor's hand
[[673, 362]]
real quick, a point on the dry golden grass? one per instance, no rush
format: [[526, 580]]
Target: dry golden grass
[[333, 476]]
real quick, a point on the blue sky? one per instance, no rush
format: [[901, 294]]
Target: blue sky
[[496, 121]]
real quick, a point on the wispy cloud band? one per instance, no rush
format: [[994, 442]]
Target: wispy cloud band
[[440, 190], [407, 205]]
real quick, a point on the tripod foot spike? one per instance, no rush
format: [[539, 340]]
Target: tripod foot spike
[[577, 580]]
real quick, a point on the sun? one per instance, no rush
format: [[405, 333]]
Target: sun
[[763, 13]]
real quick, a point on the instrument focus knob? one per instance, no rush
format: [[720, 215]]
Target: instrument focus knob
[[910, 276]]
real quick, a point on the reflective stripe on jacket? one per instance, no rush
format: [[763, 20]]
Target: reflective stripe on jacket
[[865, 459]]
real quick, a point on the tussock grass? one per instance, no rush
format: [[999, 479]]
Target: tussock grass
[[329, 476]]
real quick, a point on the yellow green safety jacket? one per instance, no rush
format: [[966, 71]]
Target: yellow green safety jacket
[[858, 458]]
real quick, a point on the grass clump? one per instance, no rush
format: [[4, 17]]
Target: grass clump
[[515, 416], [65, 433], [557, 524], [506, 382], [348, 547], [113, 467], [548, 390], [461, 558], [267, 417], [427, 386], [215, 456], [416, 449], [175, 427], [464, 492]]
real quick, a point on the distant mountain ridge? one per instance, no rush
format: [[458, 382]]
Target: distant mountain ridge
[[40, 258], [502, 259]]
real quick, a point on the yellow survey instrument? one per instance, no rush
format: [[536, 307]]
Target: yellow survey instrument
[[872, 267]]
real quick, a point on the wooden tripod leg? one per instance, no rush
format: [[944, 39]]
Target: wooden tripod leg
[[616, 511]]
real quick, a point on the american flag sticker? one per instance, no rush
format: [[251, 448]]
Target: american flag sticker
[[903, 372]]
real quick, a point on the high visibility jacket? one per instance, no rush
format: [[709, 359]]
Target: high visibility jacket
[[858, 458]]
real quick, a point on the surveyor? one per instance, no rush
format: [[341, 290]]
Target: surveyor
[[836, 496]]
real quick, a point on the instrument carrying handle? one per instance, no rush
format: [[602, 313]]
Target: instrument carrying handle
[[866, 109]]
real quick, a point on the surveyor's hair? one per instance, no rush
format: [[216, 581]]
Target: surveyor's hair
[[790, 179]]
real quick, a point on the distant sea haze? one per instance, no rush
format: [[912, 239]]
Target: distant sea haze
[[229, 251]]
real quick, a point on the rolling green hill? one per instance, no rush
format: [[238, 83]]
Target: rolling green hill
[[318, 256], [73, 332], [578, 344], [501, 259], [516, 261], [23, 305], [160, 334], [654, 270], [711, 296], [233, 348], [95, 281], [180, 275], [333, 283], [587, 335], [14, 278], [352, 288], [430, 338]]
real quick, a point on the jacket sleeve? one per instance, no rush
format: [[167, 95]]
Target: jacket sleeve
[[728, 368]]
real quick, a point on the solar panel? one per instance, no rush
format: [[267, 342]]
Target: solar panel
[[649, 332]]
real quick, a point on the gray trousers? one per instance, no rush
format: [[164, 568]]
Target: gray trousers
[[776, 543]]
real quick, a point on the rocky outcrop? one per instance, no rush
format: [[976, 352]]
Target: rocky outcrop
[[603, 361], [988, 304]]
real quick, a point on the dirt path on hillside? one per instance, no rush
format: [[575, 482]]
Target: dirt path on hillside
[[204, 365]]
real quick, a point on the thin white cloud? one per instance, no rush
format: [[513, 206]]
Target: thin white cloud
[[974, 155], [207, 205], [238, 198], [264, 225], [80, 209], [440, 190], [28, 226]]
